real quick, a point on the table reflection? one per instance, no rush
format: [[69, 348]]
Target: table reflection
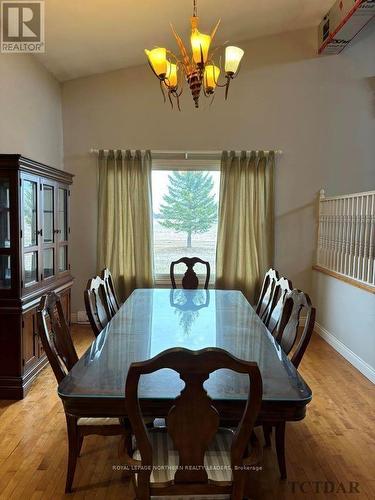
[[187, 305]]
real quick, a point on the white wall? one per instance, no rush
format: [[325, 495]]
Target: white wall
[[319, 111], [30, 107], [346, 319]]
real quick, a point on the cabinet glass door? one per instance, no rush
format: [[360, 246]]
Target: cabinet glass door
[[4, 213], [30, 214], [5, 271], [5, 257], [63, 230], [48, 232], [48, 225], [30, 230], [31, 267]]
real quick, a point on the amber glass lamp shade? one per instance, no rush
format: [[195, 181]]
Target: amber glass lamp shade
[[200, 45], [158, 60], [211, 76], [171, 76]]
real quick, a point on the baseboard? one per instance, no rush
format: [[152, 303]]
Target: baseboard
[[80, 317], [358, 363]]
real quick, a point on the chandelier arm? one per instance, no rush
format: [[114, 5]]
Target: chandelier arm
[[173, 56], [177, 96], [167, 84], [227, 87], [169, 97], [213, 51], [162, 91], [236, 73]]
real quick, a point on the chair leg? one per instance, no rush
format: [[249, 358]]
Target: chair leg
[[267, 431], [280, 448], [72, 451], [239, 487]]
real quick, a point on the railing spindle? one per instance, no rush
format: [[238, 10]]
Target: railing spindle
[[346, 235]]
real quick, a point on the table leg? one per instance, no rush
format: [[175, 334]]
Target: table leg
[[280, 448]]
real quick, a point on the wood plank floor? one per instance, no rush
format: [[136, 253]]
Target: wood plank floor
[[332, 446]]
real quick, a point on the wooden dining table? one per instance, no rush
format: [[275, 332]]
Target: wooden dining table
[[152, 320]]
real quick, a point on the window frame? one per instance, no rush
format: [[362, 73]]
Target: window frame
[[181, 165]]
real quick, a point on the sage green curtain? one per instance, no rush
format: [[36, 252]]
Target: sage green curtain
[[125, 219], [245, 240]]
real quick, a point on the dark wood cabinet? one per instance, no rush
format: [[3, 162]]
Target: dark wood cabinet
[[34, 259]]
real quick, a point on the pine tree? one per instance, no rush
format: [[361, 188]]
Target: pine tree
[[189, 206]]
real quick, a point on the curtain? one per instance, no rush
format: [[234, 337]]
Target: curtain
[[245, 240], [125, 219]]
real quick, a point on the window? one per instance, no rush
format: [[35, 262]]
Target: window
[[185, 205]]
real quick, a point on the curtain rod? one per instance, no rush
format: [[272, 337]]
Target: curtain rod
[[187, 155]]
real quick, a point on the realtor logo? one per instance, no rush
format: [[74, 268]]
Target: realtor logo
[[22, 27]]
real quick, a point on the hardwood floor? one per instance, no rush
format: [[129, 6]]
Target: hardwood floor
[[332, 446]]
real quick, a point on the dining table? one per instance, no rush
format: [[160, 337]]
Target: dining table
[[152, 320]]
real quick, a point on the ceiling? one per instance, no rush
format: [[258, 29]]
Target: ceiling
[[84, 37]]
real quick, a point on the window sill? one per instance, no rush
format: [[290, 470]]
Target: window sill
[[164, 280]]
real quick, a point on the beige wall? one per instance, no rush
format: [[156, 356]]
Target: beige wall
[[30, 107], [319, 111]]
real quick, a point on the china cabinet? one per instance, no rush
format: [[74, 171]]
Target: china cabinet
[[34, 259]]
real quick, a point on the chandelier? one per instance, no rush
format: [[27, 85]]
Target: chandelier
[[198, 69]]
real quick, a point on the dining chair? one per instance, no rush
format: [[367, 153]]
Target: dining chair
[[58, 346], [264, 302], [282, 287], [190, 279], [295, 303], [287, 332], [97, 306], [110, 289], [191, 455]]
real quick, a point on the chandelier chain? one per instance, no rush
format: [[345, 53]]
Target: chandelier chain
[[194, 8]]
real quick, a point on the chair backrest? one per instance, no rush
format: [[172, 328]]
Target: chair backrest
[[190, 279], [264, 302], [55, 335], [193, 420], [112, 299], [282, 287], [97, 307], [287, 330]]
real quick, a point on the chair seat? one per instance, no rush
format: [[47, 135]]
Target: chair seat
[[97, 421], [165, 458], [108, 421]]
